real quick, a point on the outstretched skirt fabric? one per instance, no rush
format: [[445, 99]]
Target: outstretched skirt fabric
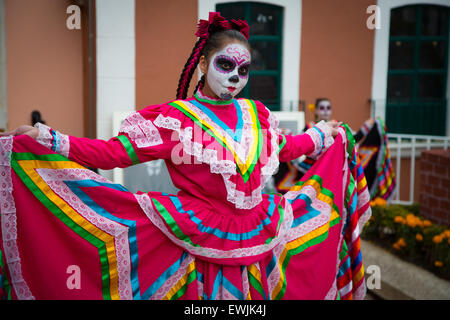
[[68, 233], [376, 161]]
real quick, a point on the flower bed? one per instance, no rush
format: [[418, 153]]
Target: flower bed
[[402, 231]]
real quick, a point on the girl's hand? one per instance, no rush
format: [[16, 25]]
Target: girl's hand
[[334, 125], [28, 130]]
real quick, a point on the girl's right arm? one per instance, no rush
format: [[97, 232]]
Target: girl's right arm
[[139, 140]]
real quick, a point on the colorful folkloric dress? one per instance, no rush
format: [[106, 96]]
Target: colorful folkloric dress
[[68, 233], [376, 161]]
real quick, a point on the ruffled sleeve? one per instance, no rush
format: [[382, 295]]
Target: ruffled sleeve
[[138, 140], [322, 137]]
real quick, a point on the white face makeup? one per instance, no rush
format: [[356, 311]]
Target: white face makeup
[[228, 71], [323, 110]]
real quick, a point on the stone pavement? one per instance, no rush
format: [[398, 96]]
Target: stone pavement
[[401, 280]]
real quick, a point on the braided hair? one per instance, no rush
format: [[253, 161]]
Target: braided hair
[[204, 47]]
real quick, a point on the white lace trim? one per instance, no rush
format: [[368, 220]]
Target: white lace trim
[[321, 144], [203, 155], [300, 230], [9, 222], [165, 288], [141, 131], [58, 142], [332, 293]]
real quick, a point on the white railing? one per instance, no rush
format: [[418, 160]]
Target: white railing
[[408, 146]]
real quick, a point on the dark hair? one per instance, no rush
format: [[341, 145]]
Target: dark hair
[[36, 117], [204, 47], [319, 100]]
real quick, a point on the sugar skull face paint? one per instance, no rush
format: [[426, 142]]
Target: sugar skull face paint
[[323, 110], [228, 71]]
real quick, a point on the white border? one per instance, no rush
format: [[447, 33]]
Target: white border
[[116, 80], [381, 54], [290, 80], [3, 86]]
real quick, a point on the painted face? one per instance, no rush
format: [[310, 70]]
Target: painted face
[[323, 110], [228, 71]]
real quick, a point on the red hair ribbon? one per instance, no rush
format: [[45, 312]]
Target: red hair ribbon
[[219, 23]]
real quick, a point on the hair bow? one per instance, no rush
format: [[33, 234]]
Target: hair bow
[[216, 22], [241, 26]]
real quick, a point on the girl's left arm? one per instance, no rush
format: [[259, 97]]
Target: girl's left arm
[[313, 143]]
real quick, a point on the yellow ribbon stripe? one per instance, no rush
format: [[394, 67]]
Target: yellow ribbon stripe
[[319, 195], [242, 166], [29, 167], [307, 237], [190, 268], [292, 246]]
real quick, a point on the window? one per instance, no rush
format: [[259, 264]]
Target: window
[[266, 23], [417, 72]]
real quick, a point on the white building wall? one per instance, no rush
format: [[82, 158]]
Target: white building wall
[[115, 63]]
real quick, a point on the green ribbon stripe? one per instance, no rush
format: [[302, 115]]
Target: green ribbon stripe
[[100, 245], [256, 284], [296, 251], [129, 148], [191, 277], [282, 143], [213, 102], [323, 190], [313, 241], [171, 222], [281, 213], [245, 176]]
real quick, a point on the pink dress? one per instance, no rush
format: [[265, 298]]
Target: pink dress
[[69, 233]]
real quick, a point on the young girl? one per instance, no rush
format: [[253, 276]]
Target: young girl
[[69, 233]]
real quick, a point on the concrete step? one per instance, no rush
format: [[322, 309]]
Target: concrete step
[[401, 280]]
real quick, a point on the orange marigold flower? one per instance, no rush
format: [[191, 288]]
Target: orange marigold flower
[[396, 246], [427, 223], [437, 239], [401, 242], [411, 220], [411, 224], [380, 202], [420, 223], [419, 237], [446, 233], [438, 264], [399, 219]]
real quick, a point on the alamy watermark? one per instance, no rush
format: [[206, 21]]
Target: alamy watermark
[[73, 21], [74, 279], [373, 280], [373, 21]]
